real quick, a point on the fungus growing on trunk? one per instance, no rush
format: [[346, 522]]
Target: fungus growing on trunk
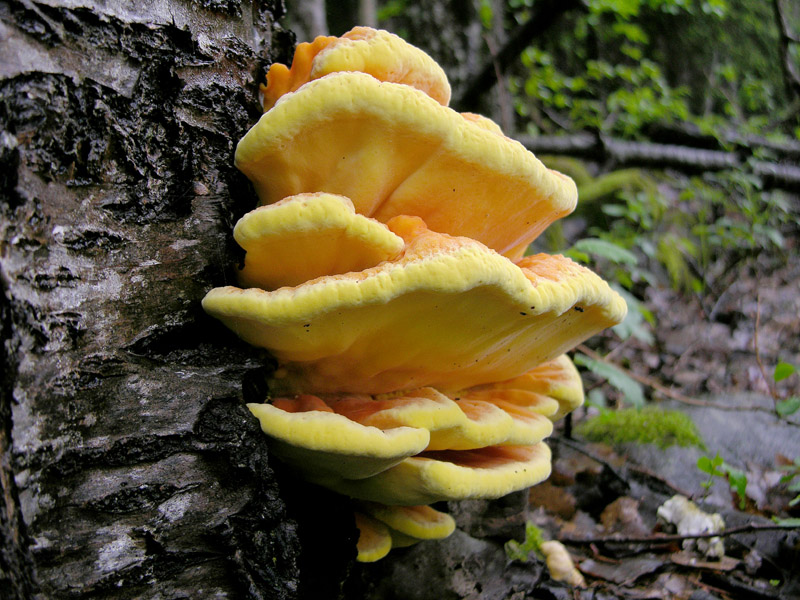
[[277, 239], [393, 150], [421, 356], [379, 53], [448, 313]]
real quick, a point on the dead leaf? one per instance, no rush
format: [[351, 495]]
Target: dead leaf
[[687, 559], [622, 516], [625, 572]]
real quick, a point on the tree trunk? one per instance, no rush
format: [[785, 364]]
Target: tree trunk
[[309, 19], [129, 464], [450, 31]]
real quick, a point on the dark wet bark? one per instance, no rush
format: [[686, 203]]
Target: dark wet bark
[[130, 466], [545, 14], [450, 31]]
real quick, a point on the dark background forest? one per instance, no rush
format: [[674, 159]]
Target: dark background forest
[[129, 466]]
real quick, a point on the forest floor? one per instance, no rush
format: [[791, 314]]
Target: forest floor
[[713, 362]]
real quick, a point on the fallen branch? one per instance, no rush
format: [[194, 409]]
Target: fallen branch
[[770, 385], [577, 448], [670, 538], [622, 153]]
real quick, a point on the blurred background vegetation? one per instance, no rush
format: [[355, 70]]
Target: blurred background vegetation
[[678, 119]]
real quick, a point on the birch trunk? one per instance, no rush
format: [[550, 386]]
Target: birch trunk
[[130, 467]]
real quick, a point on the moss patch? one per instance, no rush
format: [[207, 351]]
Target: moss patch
[[649, 425]]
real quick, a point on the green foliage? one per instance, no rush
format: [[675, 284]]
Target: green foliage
[[650, 425], [697, 233], [486, 14], [602, 248], [638, 321], [609, 185], [738, 482], [782, 371], [792, 477], [786, 406], [717, 468], [630, 388], [389, 9], [624, 65], [712, 467], [532, 543]]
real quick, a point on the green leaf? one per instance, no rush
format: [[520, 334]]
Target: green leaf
[[607, 250], [704, 464], [635, 322], [783, 370], [792, 523], [532, 543], [710, 465], [486, 14], [787, 407], [390, 9], [738, 482], [577, 256], [629, 387]]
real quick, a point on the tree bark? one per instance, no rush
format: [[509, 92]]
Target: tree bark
[[544, 15], [129, 465], [790, 75], [450, 31], [309, 19]]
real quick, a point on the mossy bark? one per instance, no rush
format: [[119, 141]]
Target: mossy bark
[[130, 465]]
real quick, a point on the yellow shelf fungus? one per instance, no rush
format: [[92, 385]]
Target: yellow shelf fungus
[[430, 477], [374, 539], [555, 383], [393, 150], [421, 356], [379, 53], [277, 239], [414, 522], [324, 445], [449, 313]]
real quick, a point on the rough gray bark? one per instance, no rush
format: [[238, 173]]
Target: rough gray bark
[[129, 465], [309, 19], [450, 31]]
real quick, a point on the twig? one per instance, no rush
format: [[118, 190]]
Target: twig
[[662, 389], [502, 91], [644, 472], [577, 448], [757, 350], [618, 348], [665, 538]]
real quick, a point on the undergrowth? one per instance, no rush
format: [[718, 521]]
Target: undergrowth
[[649, 425]]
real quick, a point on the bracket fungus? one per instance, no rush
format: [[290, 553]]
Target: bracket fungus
[[421, 355], [393, 150]]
